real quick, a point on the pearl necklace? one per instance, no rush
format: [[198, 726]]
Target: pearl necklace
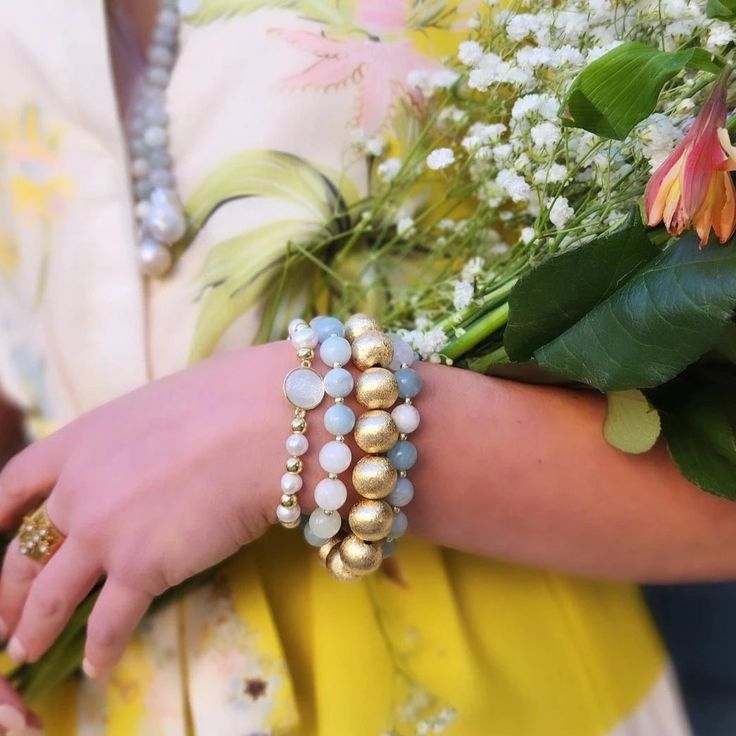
[[158, 209]]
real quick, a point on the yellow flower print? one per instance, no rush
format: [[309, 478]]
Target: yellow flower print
[[8, 252], [31, 151]]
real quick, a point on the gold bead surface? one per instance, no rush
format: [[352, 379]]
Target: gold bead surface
[[372, 348], [291, 524], [324, 551], [299, 425], [294, 465], [358, 325], [288, 501], [374, 476], [305, 354], [360, 557], [337, 567], [376, 431], [371, 520], [377, 388]]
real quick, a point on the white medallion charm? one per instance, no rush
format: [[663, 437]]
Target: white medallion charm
[[304, 388]]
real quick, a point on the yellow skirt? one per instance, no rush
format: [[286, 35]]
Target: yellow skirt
[[438, 642]]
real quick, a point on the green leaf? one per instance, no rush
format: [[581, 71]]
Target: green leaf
[[657, 323], [720, 8], [336, 14], [632, 423], [697, 413], [237, 273], [614, 93], [543, 305]]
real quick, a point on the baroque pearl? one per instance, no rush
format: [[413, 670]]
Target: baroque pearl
[[297, 444], [154, 258], [305, 337], [288, 514], [335, 457], [165, 220], [371, 349], [371, 520], [376, 388], [376, 431], [296, 324], [291, 483], [374, 476], [406, 417], [330, 494]]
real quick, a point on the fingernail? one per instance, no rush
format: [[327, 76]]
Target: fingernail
[[11, 718], [3, 630], [89, 669], [16, 651]]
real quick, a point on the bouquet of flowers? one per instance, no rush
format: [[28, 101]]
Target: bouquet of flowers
[[555, 205]]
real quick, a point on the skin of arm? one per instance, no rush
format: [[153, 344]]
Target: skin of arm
[[190, 465]]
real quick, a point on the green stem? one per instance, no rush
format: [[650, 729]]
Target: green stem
[[477, 332], [490, 298]]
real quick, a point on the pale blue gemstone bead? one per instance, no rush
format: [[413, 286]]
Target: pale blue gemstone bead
[[335, 351], [389, 547], [327, 326], [338, 383], [403, 353], [402, 494], [403, 455], [339, 420], [399, 525], [312, 539], [409, 382]]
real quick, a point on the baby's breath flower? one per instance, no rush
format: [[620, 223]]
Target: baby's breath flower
[[560, 212], [546, 135], [440, 158], [389, 168], [405, 225], [470, 53], [515, 186], [463, 295], [527, 235]]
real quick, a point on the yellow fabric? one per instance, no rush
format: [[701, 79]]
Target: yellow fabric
[[512, 651]]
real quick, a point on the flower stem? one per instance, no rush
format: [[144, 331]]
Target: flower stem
[[477, 332]]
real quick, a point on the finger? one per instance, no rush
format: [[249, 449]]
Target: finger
[[16, 578], [117, 612], [14, 716], [57, 590], [29, 476]]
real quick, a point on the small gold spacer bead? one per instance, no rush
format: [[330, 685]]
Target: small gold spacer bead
[[301, 413], [305, 354], [294, 465], [299, 425], [402, 474], [288, 501]]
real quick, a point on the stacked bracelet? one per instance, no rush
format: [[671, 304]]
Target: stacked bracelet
[[335, 457], [304, 389]]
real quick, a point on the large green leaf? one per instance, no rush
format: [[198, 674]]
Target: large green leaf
[[697, 413], [661, 320], [558, 293], [614, 93], [336, 14], [236, 275], [721, 8]]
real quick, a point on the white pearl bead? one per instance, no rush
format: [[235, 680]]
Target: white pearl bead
[[142, 209], [335, 457], [160, 55], [297, 444], [406, 418], [154, 258], [296, 324], [324, 525], [330, 494], [291, 483], [139, 167], [155, 136], [288, 514], [305, 338], [165, 219]]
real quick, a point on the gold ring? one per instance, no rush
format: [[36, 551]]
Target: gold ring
[[38, 538]]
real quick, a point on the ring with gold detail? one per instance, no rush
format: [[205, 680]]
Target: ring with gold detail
[[38, 538]]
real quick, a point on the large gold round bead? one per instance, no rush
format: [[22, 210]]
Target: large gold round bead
[[372, 348], [358, 325], [374, 476], [376, 431], [360, 557], [324, 551], [336, 565], [377, 388], [371, 520]]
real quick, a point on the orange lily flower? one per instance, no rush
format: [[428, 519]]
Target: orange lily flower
[[693, 187]]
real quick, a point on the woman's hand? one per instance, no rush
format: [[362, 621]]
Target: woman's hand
[[148, 490]]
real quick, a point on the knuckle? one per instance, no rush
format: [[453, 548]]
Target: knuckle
[[48, 604]]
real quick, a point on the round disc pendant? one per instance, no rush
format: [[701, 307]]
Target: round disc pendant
[[304, 389]]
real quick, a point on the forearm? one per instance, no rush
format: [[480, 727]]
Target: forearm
[[523, 473]]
